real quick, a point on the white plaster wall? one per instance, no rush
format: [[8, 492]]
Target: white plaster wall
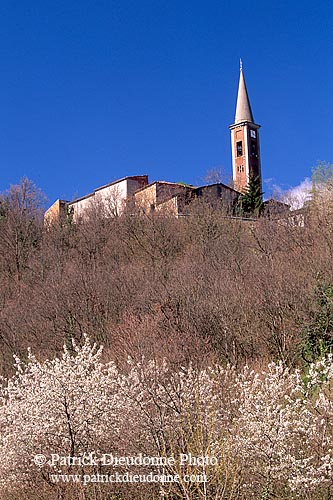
[[112, 197], [81, 206]]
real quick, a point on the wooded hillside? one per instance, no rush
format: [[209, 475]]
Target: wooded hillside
[[192, 302], [240, 291]]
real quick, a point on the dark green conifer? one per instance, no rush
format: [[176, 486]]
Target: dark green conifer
[[250, 202]]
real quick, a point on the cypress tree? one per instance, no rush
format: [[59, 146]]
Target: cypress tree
[[250, 202]]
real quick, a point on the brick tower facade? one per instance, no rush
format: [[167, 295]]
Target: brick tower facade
[[245, 141]]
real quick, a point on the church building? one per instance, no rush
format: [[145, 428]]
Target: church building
[[175, 198]]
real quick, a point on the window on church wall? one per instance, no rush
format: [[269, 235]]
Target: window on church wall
[[240, 168], [239, 148]]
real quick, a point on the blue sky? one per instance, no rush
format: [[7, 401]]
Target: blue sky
[[91, 91]]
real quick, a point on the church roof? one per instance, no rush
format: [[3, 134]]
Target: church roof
[[243, 107]]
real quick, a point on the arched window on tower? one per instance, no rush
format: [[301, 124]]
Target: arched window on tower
[[254, 151]]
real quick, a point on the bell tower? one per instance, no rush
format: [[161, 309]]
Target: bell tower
[[245, 141]]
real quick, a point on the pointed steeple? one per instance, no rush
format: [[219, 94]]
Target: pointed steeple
[[243, 107], [245, 142]]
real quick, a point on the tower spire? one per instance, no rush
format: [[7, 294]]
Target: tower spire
[[245, 140], [243, 107]]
